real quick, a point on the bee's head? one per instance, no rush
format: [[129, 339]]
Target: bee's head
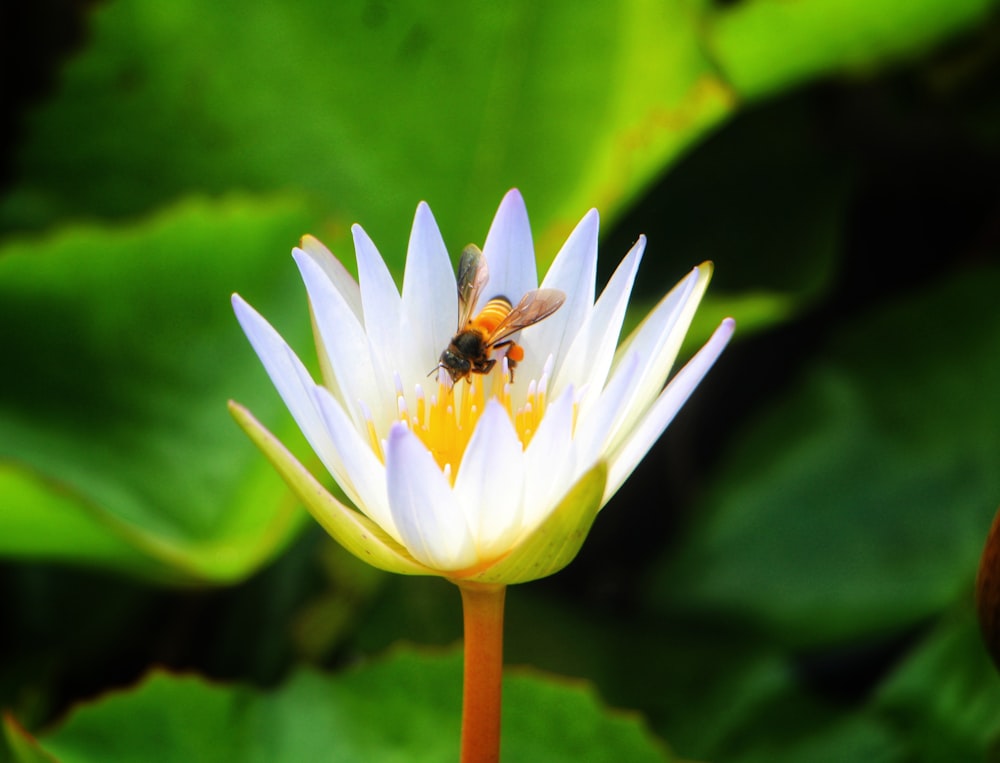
[[457, 366]]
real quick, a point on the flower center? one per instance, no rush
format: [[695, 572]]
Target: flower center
[[445, 419]]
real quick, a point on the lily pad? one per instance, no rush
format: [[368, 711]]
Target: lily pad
[[369, 107], [768, 45], [115, 444], [957, 718], [858, 503], [404, 708]]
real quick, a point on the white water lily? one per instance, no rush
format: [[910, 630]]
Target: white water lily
[[485, 480]]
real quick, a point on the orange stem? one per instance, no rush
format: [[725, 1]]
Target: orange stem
[[482, 607]]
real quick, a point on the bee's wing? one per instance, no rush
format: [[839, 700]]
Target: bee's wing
[[473, 274], [534, 306]]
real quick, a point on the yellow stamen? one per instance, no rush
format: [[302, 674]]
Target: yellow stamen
[[373, 438], [445, 420]]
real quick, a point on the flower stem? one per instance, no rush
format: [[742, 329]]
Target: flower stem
[[482, 607]]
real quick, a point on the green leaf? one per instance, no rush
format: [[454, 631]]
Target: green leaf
[[714, 688], [115, 445], [404, 708], [20, 747], [371, 107], [768, 45], [943, 698], [843, 738], [859, 502], [766, 203]]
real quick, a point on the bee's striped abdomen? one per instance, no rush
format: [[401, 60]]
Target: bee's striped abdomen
[[494, 311]]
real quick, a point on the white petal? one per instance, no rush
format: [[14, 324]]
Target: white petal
[[430, 297], [573, 272], [346, 346], [658, 340], [382, 305], [490, 481], [339, 276], [549, 460], [289, 376], [665, 408], [361, 474], [589, 358], [427, 514], [509, 251], [594, 430]]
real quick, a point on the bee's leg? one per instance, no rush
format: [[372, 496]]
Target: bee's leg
[[514, 354], [484, 367]]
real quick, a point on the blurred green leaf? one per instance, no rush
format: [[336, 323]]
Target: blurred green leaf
[[115, 444], [763, 46], [700, 687], [764, 198], [18, 746], [844, 738], [370, 106], [859, 502], [959, 718], [404, 708], [714, 688]]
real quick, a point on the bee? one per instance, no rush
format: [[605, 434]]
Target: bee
[[470, 350]]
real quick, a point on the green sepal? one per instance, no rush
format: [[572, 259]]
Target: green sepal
[[557, 540], [351, 529]]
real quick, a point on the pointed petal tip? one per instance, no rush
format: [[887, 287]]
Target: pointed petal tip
[[244, 310], [638, 247], [240, 413], [243, 417], [699, 278], [512, 204], [589, 224], [423, 219], [305, 263], [716, 343], [361, 237], [512, 195], [312, 246], [493, 404]]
